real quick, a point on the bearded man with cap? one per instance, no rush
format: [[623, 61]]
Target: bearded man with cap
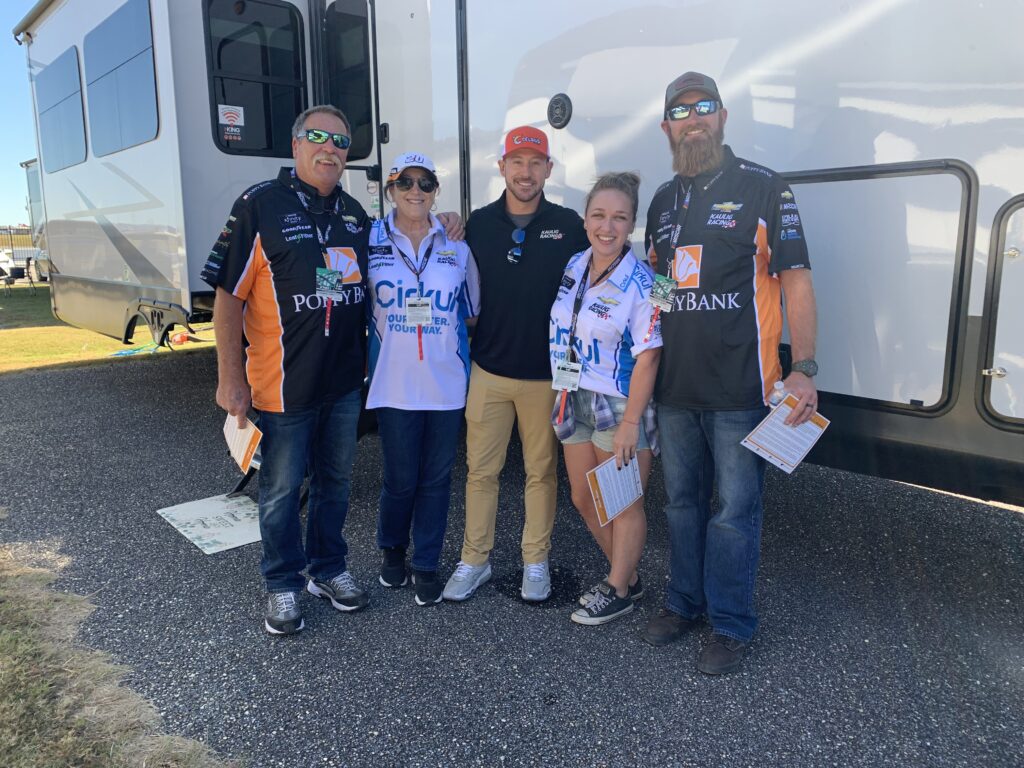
[[728, 232], [521, 243]]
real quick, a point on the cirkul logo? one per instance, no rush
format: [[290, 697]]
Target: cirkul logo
[[521, 139]]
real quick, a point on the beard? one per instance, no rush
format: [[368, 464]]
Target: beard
[[696, 157]]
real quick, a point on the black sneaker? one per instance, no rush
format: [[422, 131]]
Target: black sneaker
[[666, 627], [428, 588], [283, 616], [342, 591], [605, 606], [636, 592], [392, 568], [721, 655]]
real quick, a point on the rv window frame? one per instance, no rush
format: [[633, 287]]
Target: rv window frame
[[990, 316], [81, 104], [211, 75], [960, 293], [152, 57], [331, 48]]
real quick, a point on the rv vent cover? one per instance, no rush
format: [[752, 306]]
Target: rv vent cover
[[559, 110]]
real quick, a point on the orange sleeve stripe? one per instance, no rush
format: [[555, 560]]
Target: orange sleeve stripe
[[244, 285], [264, 366], [767, 304]]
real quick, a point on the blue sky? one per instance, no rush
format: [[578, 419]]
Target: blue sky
[[17, 136]]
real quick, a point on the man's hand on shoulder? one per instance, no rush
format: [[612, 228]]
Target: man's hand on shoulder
[[453, 225], [802, 387]]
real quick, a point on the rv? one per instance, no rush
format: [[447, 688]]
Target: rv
[[899, 123]]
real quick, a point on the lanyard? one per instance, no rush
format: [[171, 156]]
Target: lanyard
[[577, 304], [323, 237], [684, 209], [408, 261]]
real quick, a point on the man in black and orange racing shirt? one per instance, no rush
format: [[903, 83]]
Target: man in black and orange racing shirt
[[290, 273], [728, 233]]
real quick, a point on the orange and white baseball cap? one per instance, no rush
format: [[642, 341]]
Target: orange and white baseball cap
[[526, 137]]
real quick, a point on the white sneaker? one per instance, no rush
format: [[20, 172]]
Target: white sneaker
[[464, 582], [536, 582]]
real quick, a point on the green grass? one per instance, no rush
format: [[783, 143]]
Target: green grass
[[31, 337], [62, 705]]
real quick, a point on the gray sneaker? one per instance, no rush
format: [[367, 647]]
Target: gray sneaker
[[283, 616], [464, 582], [536, 582], [342, 591]]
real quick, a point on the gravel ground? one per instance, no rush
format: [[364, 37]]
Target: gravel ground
[[891, 616]]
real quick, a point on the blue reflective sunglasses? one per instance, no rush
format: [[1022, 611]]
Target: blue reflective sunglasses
[[316, 136], [682, 111]]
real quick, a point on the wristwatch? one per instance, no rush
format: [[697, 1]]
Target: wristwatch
[[807, 367]]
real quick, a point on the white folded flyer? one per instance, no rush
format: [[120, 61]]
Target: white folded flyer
[[614, 489], [782, 445]]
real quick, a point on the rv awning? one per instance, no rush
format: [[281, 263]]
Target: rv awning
[[30, 18]]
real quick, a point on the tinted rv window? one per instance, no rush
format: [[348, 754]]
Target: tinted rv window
[[120, 81], [257, 74], [59, 102], [348, 70]]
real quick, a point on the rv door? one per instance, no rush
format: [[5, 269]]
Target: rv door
[[344, 75]]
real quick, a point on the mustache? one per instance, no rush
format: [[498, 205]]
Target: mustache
[[323, 156]]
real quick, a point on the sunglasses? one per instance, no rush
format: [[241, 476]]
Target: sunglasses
[[516, 251], [404, 183], [316, 136], [682, 111]]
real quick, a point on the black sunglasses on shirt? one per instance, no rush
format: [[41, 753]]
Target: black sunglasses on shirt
[[516, 251]]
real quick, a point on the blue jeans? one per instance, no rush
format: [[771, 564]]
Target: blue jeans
[[713, 562], [322, 440], [418, 448]]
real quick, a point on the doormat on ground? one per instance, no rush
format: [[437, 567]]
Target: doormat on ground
[[216, 523]]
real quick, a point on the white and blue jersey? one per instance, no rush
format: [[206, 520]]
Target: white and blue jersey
[[426, 371], [616, 323]]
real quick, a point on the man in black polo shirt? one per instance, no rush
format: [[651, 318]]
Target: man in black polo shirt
[[290, 273], [521, 243], [728, 232]]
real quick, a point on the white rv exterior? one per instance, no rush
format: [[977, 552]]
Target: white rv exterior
[[899, 122]]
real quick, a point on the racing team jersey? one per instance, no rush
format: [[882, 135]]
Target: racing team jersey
[[615, 324], [267, 255], [724, 249], [399, 378]]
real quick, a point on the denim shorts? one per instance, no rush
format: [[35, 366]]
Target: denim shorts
[[585, 429]]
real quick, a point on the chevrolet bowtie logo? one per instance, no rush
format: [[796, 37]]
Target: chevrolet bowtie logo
[[728, 207]]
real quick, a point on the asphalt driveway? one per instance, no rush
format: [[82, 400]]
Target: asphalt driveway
[[892, 620]]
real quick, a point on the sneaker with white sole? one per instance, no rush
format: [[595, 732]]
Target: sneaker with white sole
[[428, 588], [605, 606], [636, 592], [392, 568], [283, 616], [465, 581], [342, 591], [536, 582]]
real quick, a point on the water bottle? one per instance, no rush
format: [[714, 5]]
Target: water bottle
[[777, 395]]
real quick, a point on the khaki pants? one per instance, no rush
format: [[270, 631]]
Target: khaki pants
[[493, 404]]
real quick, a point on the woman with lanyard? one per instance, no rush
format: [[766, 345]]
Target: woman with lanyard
[[424, 288], [605, 347]]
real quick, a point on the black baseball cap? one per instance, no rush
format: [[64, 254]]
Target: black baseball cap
[[691, 81]]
